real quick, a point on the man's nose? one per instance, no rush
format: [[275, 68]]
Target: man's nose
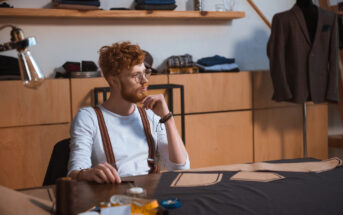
[[144, 79]]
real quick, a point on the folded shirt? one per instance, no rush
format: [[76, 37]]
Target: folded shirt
[[216, 59], [155, 2], [155, 7], [227, 67]]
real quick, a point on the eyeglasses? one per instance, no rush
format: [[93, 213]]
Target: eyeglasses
[[139, 76]]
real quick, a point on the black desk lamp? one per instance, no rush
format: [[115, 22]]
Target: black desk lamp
[[29, 70]]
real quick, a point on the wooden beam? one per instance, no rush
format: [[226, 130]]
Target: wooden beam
[[259, 12]]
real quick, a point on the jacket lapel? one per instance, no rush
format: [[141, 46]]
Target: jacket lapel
[[301, 20], [319, 24]]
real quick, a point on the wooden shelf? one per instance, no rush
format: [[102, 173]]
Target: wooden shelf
[[120, 14]]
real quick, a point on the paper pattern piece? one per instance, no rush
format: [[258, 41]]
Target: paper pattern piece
[[256, 176], [196, 179]]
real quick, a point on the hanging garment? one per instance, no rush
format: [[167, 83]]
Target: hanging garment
[[302, 70]]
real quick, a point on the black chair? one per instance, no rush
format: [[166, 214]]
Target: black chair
[[58, 165]]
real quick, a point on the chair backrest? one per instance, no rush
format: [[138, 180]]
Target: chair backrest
[[58, 165]]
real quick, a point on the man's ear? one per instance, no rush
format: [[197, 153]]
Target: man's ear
[[114, 81]]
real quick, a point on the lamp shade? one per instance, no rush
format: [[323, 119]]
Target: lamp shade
[[29, 70]]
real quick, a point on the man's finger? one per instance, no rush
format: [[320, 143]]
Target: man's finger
[[106, 169], [102, 175], [97, 179], [117, 178]]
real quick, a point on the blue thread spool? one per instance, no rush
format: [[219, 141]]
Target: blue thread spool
[[170, 203]]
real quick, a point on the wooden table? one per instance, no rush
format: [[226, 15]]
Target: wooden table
[[86, 195]]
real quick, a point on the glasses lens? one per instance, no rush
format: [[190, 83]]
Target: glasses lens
[[148, 73]]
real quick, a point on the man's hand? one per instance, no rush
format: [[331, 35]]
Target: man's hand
[[157, 104], [102, 173]]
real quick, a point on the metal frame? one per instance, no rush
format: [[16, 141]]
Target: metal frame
[[169, 87]]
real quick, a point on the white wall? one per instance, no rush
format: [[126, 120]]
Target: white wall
[[61, 40]]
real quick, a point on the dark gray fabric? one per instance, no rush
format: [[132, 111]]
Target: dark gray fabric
[[297, 194]]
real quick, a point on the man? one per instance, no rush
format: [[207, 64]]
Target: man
[[123, 67]]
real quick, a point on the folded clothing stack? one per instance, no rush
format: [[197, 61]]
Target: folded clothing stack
[[155, 5], [85, 69], [217, 64], [77, 4]]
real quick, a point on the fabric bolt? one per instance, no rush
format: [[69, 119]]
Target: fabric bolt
[[214, 60], [302, 70], [155, 7], [128, 141], [155, 2], [219, 67], [297, 194]]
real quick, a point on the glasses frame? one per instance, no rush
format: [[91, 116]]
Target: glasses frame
[[139, 76]]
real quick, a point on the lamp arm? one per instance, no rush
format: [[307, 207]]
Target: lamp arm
[[19, 45], [6, 26]]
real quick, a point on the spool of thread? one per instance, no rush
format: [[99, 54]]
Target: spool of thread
[[64, 196]]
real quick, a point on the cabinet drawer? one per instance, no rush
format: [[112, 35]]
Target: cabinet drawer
[[211, 92], [219, 138], [25, 153], [48, 104]]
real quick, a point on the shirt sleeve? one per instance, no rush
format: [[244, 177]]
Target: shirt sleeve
[[162, 147], [82, 133]]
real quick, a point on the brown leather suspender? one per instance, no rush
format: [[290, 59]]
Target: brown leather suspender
[[151, 159], [105, 138], [108, 146]]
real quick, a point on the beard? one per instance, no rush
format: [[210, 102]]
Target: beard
[[131, 95]]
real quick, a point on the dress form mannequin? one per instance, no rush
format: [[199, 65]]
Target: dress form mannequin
[[310, 12]]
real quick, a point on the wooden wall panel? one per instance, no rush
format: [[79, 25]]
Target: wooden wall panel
[[317, 131], [263, 91], [50, 103], [219, 138], [82, 90], [208, 92], [278, 133], [25, 153]]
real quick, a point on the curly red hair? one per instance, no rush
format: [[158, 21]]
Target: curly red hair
[[119, 56]]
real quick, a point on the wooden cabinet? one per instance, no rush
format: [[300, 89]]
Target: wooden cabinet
[[32, 121]]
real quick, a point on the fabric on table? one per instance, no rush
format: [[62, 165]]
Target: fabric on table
[[196, 179], [298, 194]]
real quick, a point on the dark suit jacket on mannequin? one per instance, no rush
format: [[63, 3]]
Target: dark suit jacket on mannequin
[[302, 69]]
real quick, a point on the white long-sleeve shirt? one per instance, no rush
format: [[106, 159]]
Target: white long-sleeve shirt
[[128, 140]]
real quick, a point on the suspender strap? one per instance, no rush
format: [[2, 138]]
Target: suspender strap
[[105, 138], [151, 159]]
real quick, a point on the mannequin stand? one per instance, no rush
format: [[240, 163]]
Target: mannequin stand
[[304, 131]]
